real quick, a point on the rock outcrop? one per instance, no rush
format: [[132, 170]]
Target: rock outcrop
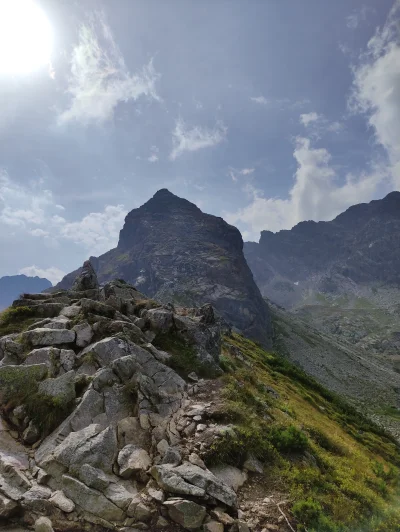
[[106, 422], [174, 252]]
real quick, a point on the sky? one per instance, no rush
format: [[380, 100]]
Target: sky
[[263, 112]]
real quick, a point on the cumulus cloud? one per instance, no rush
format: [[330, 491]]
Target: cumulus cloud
[[377, 88], [21, 206], [53, 274], [315, 194], [196, 138], [100, 79], [307, 118], [35, 211], [98, 231]]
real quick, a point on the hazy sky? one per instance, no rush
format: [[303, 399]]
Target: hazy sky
[[265, 112]]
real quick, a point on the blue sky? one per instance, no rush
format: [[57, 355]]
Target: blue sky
[[263, 112]]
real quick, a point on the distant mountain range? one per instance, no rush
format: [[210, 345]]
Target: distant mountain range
[[357, 253], [11, 286]]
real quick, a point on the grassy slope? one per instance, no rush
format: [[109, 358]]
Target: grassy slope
[[340, 470]]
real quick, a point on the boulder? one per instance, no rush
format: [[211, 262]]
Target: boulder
[[44, 355], [60, 389], [229, 475], [213, 526], [132, 459], [91, 500], [160, 320], [188, 514], [43, 524], [204, 479], [253, 465], [86, 280], [129, 431], [45, 336], [62, 502], [7, 507], [93, 477], [67, 359], [84, 334], [170, 481]]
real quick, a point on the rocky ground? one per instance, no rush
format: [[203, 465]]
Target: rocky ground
[[103, 430]]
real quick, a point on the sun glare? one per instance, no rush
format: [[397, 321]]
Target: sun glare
[[26, 37]]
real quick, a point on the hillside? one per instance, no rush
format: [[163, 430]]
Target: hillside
[[136, 415], [13, 285]]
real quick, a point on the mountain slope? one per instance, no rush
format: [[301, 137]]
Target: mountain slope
[[172, 251], [102, 430], [13, 285], [356, 251]]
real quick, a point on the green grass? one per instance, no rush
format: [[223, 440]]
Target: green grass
[[183, 359], [15, 320], [339, 469]]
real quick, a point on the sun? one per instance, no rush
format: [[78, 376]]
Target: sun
[[26, 37]]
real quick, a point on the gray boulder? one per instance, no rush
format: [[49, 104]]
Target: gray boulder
[[61, 389], [44, 336], [86, 280], [132, 459], [186, 513]]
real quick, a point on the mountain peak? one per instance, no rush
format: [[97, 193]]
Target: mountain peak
[[164, 201]]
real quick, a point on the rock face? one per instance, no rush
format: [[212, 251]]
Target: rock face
[[360, 247], [103, 418], [174, 252]]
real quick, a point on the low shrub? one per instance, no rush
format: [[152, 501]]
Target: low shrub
[[288, 439]]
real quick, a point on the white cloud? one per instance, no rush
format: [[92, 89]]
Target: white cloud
[[246, 171], [377, 88], [315, 194], [153, 156], [280, 103], [196, 138], [234, 173], [20, 206], [54, 275], [39, 232], [34, 211], [318, 124], [307, 118], [100, 80], [358, 16], [98, 231], [260, 99]]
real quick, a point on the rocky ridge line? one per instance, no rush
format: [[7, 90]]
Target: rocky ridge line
[[99, 432]]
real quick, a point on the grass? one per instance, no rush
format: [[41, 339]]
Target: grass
[[20, 387], [183, 359], [15, 320], [340, 470]]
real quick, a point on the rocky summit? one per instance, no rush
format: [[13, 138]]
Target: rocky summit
[[174, 252]]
